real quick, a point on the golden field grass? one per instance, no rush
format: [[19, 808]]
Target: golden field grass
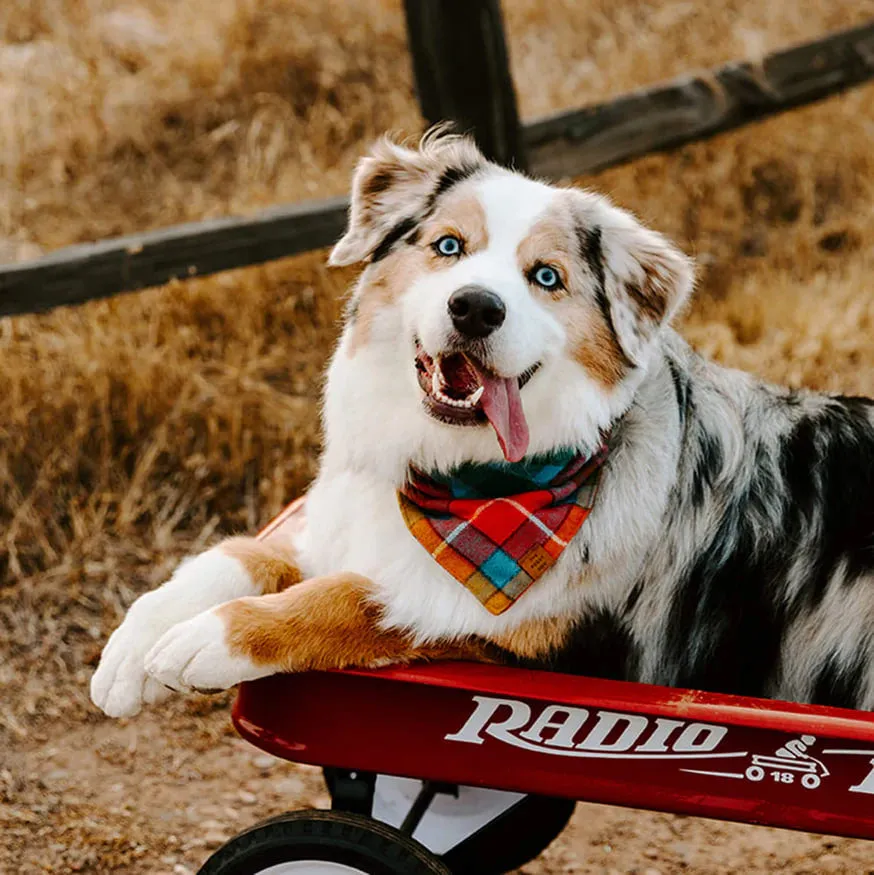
[[137, 429]]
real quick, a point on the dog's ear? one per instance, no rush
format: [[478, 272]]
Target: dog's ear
[[393, 187], [641, 278]]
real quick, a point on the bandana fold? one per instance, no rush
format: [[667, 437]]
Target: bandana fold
[[498, 528]]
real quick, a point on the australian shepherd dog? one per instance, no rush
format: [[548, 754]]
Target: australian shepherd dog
[[525, 464]]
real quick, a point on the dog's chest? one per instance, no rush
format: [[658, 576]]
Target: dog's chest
[[354, 524]]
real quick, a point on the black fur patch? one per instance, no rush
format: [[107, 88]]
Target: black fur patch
[[633, 597], [724, 630], [592, 253], [598, 645], [729, 614], [681, 388], [827, 463], [404, 227], [450, 177], [709, 459], [726, 623]]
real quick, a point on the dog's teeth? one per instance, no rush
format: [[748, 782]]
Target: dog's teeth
[[440, 395]]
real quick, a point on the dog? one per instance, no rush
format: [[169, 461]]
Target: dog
[[507, 359]]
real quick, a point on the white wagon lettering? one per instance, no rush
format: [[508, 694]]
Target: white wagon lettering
[[565, 730]]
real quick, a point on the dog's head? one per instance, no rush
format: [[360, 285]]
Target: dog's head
[[492, 299]]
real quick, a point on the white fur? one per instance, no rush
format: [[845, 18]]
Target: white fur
[[194, 655], [120, 686], [530, 331]]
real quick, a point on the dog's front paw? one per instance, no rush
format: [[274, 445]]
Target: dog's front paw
[[119, 686], [195, 656]]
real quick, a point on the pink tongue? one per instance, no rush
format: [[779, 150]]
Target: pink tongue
[[502, 404]]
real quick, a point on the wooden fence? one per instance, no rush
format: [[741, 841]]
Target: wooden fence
[[446, 60]]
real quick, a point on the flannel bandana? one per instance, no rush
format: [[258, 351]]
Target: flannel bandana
[[498, 528]]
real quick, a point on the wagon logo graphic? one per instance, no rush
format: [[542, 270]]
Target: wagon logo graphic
[[567, 731], [786, 765], [790, 760]]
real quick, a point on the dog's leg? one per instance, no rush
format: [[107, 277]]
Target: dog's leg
[[235, 568], [323, 623]]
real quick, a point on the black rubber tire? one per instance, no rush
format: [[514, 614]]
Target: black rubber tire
[[533, 823], [333, 836]]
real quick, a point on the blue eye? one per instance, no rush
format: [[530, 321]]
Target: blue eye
[[547, 277], [449, 246]]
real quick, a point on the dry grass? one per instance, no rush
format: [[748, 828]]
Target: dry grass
[[204, 108], [132, 431], [137, 429], [566, 53]]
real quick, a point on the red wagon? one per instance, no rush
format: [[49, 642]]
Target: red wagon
[[468, 768]]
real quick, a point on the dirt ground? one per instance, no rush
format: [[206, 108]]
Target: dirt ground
[[137, 430]]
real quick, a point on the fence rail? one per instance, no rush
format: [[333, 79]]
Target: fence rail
[[568, 144], [696, 107], [137, 261]]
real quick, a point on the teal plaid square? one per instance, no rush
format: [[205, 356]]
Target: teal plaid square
[[500, 569]]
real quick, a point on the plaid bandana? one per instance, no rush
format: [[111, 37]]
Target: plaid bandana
[[498, 528]]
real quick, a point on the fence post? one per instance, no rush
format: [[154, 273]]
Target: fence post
[[462, 72]]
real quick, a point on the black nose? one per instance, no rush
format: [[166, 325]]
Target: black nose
[[475, 311]]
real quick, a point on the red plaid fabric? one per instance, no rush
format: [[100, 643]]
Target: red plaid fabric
[[497, 545]]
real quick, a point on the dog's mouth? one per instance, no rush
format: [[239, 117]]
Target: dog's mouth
[[460, 390]]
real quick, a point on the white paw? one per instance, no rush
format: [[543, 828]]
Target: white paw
[[194, 656], [120, 685]]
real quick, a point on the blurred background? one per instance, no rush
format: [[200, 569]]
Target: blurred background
[[140, 428]]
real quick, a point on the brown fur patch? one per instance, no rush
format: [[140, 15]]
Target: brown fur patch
[[327, 623], [382, 285], [273, 567], [379, 181], [536, 638], [460, 213], [591, 341], [649, 302], [550, 242], [594, 345]]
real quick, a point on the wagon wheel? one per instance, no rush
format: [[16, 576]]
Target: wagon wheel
[[322, 843], [465, 827]]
